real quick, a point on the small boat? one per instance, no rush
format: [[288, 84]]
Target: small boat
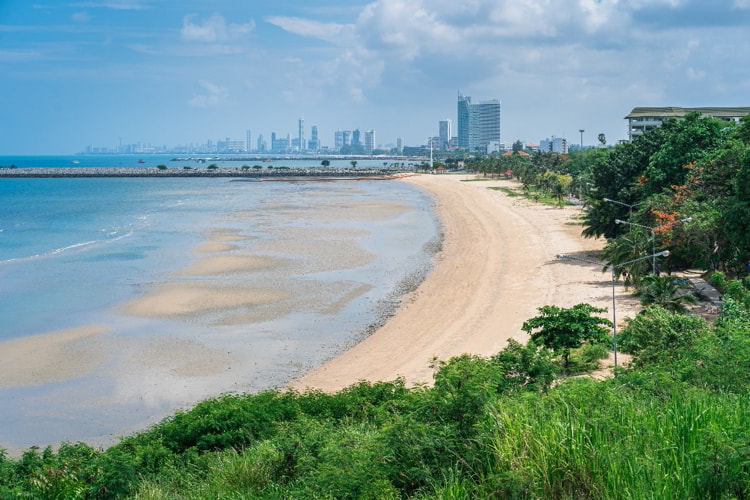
[[75, 162], [141, 161]]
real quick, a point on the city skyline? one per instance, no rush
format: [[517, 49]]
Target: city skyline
[[104, 71]]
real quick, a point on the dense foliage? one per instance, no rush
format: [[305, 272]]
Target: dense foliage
[[674, 425]]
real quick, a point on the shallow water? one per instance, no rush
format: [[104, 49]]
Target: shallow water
[[81, 252]]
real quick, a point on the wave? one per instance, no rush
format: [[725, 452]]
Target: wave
[[80, 246]]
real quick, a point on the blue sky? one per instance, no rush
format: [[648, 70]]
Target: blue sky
[[171, 72]]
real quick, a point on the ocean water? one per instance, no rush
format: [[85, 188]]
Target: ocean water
[[73, 252]]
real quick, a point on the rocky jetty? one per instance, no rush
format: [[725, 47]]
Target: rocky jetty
[[249, 173]]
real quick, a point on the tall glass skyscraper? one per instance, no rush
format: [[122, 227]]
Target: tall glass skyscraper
[[478, 123], [464, 103]]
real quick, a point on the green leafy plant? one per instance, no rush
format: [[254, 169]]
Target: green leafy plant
[[668, 292], [563, 329]]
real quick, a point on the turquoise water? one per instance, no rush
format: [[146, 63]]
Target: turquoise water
[[72, 251]]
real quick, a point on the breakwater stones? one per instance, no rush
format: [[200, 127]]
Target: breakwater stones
[[244, 173]]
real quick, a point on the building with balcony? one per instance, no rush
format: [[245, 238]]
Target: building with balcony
[[641, 120]]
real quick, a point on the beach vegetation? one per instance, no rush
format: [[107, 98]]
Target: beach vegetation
[[161, 167], [673, 424], [670, 292], [212, 166], [563, 329], [325, 163]]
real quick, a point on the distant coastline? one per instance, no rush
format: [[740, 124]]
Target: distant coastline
[[242, 172]]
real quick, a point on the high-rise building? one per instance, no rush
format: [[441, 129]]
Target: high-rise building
[[464, 102], [478, 123], [261, 144], [554, 145], [400, 145], [445, 133], [338, 140], [355, 138], [369, 141], [248, 141], [314, 143], [301, 136]]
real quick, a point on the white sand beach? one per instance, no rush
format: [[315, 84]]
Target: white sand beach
[[496, 267]]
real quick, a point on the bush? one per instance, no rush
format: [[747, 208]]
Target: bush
[[656, 333]]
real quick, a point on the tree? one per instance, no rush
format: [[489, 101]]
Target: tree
[[563, 329], [602, 139], [325, 163], [632, 245], [517, 146], [665, 291], [354, 163]]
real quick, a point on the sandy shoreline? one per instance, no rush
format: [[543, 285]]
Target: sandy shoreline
[[497, 266]]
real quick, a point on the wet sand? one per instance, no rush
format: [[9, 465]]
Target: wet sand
[[496, 267]]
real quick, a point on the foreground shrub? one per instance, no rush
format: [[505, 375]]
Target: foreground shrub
[[656, 333]]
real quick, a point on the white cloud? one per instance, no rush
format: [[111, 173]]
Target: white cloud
[[212, 95], [113, 4], [695, 74], [81, 17], [213, 29], [330, 32]]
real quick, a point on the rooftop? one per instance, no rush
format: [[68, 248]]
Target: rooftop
[[674, 111]]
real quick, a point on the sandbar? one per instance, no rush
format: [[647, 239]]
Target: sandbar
[[497, 265], [50, 357]]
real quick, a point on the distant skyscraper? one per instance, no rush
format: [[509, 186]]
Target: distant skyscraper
[[400, 145], [301, 136], [314, 142], [338, 141], [355, 138], [249, 141], [369, 141], [347, 137], [463, 121], [478, 124], [261, 144], [445, 133], [554, 145]]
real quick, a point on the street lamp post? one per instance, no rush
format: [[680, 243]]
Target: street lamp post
[[581, 131], [653, 236], [614, 267], [630, 207]]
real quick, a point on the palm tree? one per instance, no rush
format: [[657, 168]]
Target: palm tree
[[665, 291], [354, 163], [627, 247]]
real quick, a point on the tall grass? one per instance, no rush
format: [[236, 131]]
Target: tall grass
[[600, 440]]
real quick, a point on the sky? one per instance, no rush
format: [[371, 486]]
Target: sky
[[96, 72]]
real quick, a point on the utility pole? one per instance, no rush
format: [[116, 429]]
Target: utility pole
[[581, 131]]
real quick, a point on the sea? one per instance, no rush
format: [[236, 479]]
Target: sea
[[322, 264]]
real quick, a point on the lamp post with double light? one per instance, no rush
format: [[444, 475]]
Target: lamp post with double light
[[664, 253], [653, 235]]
